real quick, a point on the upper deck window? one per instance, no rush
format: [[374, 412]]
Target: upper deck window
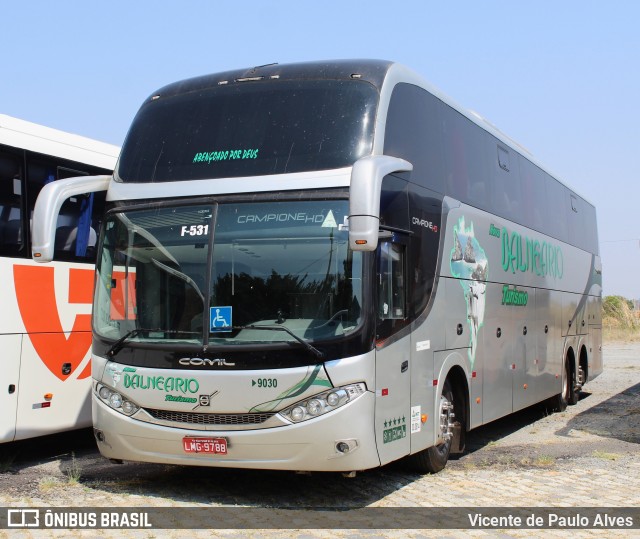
[[249, 129]]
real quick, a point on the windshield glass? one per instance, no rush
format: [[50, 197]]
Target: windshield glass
[[249, 129], [229, 274]]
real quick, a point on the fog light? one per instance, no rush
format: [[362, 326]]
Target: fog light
[[342, 447]]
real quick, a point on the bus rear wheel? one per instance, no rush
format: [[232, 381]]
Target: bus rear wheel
[[574, 393], [433, 459], [560, 402]]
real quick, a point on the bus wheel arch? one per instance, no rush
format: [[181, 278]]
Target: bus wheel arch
[[460, 389], [453, 419]]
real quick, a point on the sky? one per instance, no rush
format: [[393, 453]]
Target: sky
[[562, 78]]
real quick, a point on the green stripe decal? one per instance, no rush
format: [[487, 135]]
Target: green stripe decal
[[310, 379]]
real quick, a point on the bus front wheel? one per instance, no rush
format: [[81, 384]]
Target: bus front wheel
[[434, 458]]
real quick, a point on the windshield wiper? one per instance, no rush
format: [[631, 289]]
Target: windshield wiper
[[304, 343], [119, 344], [179, 275]]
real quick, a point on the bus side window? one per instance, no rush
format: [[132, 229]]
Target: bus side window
[[78, 221], [11, 189]]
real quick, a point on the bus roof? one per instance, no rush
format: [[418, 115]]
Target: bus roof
[[376, 72], [373, 71], [45, 140]]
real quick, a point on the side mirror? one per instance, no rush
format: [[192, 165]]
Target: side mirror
[[364, 198], [48, 204]]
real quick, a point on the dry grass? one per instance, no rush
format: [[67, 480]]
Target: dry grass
[[612, 333], [605, 456], [73, 471], [545, 461], [620, 322], [49, 483]]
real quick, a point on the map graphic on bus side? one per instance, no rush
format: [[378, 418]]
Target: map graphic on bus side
[[469, 264]]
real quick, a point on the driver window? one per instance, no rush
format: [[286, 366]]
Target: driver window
[[391, 282]]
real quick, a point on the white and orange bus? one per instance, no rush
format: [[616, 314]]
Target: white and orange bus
[[45, 312]]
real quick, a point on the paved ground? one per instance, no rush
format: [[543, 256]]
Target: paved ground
[[586, 456]]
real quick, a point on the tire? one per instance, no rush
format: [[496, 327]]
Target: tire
[[573, 396], [434, 458], [561, 400]]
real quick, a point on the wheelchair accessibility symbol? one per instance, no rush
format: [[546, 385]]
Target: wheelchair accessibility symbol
[[221, 319]]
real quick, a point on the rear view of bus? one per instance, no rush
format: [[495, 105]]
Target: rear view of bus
[[295, 273]]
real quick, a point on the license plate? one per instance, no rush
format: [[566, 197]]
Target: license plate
[[215, 446]]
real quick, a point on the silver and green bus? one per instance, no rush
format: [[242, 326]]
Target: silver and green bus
[[328, 266]]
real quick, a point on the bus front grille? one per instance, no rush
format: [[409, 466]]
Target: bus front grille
[[209, 419]]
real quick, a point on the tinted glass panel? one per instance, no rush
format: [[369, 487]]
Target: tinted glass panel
[[394, 204], [534, 196], [507, 196], [391, 282], [284, 265], [426, 215], [574, 219], [248, 129], [11, 188], [247, 273], [590, 228], [413, 133], [468, 159], [80, 216], [557, 200], [152, 274]]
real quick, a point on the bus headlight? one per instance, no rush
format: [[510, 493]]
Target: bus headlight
[[115, 400], [297, 414], [129, 408], [324, 402]]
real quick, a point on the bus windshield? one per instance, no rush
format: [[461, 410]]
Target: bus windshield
[[250, 129], [228, 274]]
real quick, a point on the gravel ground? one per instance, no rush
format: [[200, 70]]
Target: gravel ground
[[577, 458]]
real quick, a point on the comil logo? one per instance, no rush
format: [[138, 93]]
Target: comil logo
[[204, 362], [36, 295]]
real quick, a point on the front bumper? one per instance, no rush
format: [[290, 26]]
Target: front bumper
[[306, 446]]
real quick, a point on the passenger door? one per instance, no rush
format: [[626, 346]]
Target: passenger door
[[393, 373]]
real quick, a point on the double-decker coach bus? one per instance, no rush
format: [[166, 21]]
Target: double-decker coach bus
[[328, 266], [45, 319]]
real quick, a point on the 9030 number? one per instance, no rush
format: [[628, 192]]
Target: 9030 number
[[265, 382]]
